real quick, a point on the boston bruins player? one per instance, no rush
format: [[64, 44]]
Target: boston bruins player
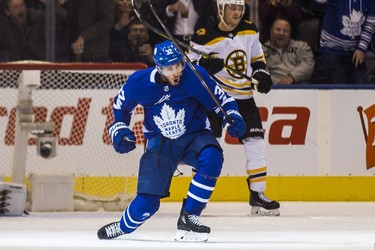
[[234, 42]]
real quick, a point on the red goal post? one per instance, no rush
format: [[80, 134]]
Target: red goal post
[[77, 98]]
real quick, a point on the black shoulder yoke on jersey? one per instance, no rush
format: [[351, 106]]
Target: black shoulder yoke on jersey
[[205, 35]]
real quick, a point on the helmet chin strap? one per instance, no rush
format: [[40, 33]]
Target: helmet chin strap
[[225, 24]]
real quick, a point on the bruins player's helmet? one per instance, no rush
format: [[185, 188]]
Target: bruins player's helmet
[[221, 5]]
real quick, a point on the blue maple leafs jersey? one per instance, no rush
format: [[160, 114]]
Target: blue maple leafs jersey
[[347, 25], [170, 111]]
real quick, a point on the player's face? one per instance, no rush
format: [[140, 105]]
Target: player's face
[[280, 33], [232, 15], [173, 73]]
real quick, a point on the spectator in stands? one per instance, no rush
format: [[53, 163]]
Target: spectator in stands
[[269, 10], [91, 23], [311, 23], [136, 48], [347, 30], [124, 15], [289, 61], [184, 17], [23, 31], [119, 33], [61, 47]]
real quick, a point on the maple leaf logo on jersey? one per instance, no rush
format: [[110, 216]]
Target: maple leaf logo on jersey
[[171, 125], [353, 24]]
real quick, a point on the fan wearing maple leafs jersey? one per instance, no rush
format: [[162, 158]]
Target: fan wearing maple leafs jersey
[[347, 30], [176, 128]]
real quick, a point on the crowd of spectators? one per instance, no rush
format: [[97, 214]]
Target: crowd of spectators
[[331, 40]]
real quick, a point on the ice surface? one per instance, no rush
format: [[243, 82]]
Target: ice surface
[[302, 225]]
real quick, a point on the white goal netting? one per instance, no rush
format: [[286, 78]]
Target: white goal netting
[[78, 99]]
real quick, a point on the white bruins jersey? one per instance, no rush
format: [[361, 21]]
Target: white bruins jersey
[[239, 48]]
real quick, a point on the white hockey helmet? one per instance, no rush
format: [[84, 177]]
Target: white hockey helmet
[[221, 5]]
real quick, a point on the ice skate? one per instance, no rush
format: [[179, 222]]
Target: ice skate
[[110, 231], [189, 229], [261, 205]]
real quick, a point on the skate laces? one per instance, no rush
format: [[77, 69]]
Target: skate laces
[[113, 229], [263, 197], [194, 219]]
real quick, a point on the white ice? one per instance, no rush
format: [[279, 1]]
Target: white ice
[[302, 225]]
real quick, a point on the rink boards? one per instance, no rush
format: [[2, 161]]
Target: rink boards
[[320, 145]]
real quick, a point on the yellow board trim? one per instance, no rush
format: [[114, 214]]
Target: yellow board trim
[[288, 188], [107, 186], [234, 188]]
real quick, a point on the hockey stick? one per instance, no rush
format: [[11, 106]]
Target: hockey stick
[[138, 4], [230, 121]]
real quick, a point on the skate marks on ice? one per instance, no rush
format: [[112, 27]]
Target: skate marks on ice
[[301, 225]]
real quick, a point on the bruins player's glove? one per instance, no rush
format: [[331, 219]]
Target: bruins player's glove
[[212, 64], [264, 79]]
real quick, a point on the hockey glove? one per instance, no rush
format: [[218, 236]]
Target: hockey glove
[[238, 127], [265, 81], [123, 139], [212, 64]]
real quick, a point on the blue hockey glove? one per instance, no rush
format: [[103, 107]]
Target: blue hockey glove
[[265, 81], [238, 127], [123, 139]]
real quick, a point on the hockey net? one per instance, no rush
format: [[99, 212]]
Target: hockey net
[[78, 99]]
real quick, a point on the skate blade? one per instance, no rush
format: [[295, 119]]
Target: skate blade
[[259, 211], [189, 236]]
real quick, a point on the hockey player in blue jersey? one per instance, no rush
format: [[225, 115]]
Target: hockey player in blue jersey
[[176, 129]]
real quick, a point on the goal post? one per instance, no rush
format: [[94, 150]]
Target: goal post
[[74, 100]]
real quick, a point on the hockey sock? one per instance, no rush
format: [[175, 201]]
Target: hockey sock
[[210, 161], [138, 211], [256, 166]]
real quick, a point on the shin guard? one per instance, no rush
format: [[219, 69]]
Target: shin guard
[[138, 211], [210, 161]]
